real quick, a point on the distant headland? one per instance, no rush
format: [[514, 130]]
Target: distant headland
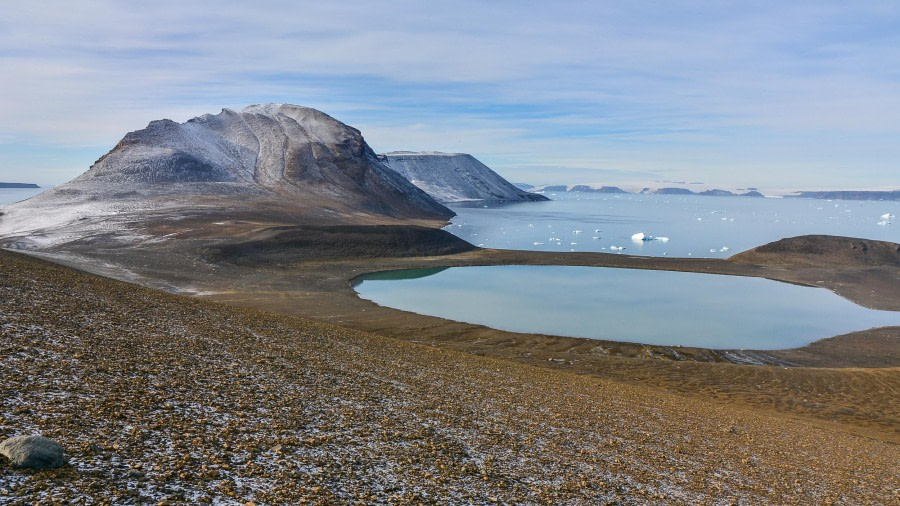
[[18, 185]]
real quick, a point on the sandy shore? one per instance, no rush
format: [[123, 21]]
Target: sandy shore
[[159, 397]]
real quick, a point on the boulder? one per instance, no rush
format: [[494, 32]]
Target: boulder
[[36, 452]]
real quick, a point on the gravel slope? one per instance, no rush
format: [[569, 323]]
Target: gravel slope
[[165, 398]]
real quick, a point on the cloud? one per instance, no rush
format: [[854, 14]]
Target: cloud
[[633, 85]]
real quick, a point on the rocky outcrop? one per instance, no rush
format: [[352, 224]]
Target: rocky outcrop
[[455, 177], [276, 163], [35, 452]]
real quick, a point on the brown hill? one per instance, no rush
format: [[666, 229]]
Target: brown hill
[[823, 250]]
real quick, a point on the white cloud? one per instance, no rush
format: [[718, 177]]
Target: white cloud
[[606, 84]]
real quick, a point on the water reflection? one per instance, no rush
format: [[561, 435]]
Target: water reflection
[[652, 307]]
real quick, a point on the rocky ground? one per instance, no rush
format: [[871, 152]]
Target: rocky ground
[[161, 398]]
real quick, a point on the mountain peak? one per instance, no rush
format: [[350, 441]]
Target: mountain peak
[[285, 163]]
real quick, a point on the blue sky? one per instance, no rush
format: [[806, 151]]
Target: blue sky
[[769, 94]]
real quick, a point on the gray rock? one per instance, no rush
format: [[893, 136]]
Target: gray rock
[[455, 177], [36, 452]]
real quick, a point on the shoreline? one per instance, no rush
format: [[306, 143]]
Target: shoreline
[[194, 401], [803, 383]]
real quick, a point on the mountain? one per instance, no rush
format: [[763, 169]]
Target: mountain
[[455, 177], [274, 164]]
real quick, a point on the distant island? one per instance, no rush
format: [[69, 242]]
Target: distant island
[[892, 195], [645, 191], [18, 185], [848, 195]]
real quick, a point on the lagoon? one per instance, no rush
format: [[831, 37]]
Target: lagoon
[[639, 306]]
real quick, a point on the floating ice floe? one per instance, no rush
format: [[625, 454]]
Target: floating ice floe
[[538, 243], [617, 248], [724, 248], [887, 216], [641, 237], [576, 232], [596, 237]]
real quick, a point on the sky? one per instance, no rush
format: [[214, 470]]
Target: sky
[[771, 94]]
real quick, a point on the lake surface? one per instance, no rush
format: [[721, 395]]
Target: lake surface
[[698, 226], [640, 306], [10, 195]]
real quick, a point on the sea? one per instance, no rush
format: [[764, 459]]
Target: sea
[[667, 225], [12, 195]]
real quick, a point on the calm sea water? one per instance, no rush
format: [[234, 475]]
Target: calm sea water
[[650, 307], [696, 226], [10, 195]]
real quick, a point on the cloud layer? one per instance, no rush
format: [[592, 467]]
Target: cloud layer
[[806, 94]]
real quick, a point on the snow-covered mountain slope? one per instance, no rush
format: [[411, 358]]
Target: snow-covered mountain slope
[[275, 163], [454, 177]]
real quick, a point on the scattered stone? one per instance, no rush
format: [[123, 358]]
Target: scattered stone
[[35, 452]]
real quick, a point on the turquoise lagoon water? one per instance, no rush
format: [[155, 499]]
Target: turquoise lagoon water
[[695, 226], [640, 306]]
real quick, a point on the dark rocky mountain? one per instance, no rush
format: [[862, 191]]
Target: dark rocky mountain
[[455, 177], [276, 164]]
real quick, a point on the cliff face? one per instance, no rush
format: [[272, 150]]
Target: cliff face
[[455, 177], [274, 163]]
